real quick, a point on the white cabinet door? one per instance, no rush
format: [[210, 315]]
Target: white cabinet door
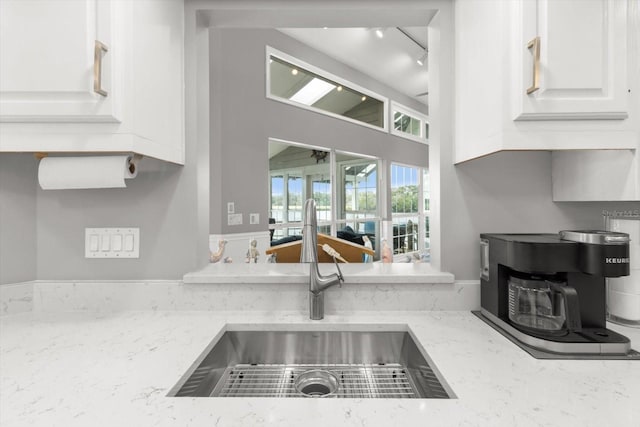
[[582, 70], [47, 61]]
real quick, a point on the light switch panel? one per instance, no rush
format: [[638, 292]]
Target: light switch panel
[[116, 242], [254, 218], [234, 219], [94, 241], [105, 243], [112, 242], [129, 242]]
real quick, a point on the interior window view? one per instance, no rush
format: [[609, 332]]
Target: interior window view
[[299, 172], [339, 213], [348, 203]]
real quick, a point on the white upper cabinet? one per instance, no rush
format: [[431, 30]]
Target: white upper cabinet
[[570, 59], [92, 76], [48, 61], [582, 94]]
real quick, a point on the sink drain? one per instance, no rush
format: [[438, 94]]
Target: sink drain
[[317, 383]]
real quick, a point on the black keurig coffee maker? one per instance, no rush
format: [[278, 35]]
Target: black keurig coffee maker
[[546, 292]]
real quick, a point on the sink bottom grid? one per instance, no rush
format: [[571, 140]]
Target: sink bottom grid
[[355, 380]]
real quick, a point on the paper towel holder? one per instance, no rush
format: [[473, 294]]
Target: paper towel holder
[[133, 163]]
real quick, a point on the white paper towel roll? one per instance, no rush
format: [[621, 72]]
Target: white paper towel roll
[[60, 173]]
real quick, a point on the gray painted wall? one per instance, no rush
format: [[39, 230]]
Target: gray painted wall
[[160, 201], [508, 192], [244, 120], [17, 218]]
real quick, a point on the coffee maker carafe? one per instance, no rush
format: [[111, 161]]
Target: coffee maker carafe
[[543, 306], [546, 292]]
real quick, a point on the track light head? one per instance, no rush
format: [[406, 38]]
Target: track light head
[[422, 59]]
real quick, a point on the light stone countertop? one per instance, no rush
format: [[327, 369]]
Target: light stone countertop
[[115, 369], [370, 273]]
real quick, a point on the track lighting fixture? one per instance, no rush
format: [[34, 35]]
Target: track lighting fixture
[[422, 59]]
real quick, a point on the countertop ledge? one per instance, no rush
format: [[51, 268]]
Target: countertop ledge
[[374, 273]]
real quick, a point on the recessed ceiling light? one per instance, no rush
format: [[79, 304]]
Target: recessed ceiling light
[[364, 98], [294, 71], [325, 28], [379, 32], [339, 88]]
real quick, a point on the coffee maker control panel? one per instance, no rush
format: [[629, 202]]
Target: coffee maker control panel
[[601, 253]]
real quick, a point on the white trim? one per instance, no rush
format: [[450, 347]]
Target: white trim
[[270, 51], [396, 107], [467, 282]]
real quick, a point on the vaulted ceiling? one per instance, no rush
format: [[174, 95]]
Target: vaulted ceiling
[[390, 59]]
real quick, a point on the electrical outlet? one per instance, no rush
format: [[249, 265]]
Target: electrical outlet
[[231, 207], [254, 218], [112, 242]]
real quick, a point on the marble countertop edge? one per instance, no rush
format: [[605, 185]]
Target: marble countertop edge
[[375, 273]]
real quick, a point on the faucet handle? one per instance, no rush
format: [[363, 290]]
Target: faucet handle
[[340, 276]]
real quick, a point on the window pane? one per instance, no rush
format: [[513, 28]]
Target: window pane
[[404, 189], [277, 198], [405, 234], [360, 189], [425, 189], [362, 227], [427, 236], [293, 83], [407, 124], [294, 198], [324, 229], [321, 189]]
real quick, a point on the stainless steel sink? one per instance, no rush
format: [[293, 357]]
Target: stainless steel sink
[[346, 361]]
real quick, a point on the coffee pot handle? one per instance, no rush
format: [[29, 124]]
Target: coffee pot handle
[[571, 305]]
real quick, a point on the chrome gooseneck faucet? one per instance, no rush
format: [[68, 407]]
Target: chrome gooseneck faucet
[[309, 254]]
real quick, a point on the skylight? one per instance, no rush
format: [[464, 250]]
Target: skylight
[[312, 91]]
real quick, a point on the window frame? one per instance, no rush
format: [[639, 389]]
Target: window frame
[[423, 214], [270, 51], [335, 223], [424, 119]]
